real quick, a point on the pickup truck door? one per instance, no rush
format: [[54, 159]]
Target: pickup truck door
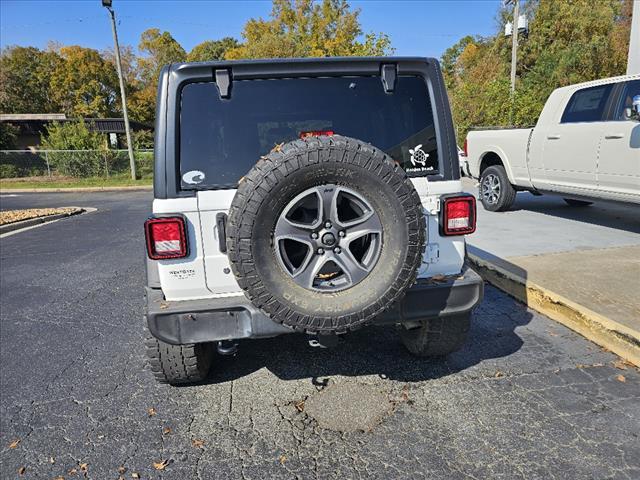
[[571, 144], [619, 156]]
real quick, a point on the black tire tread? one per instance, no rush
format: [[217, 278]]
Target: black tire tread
[[276, 166], [507, 192], [177, 364]]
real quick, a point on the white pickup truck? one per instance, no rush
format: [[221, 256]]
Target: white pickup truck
[[585, 147]]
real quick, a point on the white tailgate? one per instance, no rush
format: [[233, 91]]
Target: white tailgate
[[220, 279]]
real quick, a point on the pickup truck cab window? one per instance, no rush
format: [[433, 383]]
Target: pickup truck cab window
[[587, 105], [630, 90]]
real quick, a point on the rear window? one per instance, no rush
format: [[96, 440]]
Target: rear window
[[221, 139]]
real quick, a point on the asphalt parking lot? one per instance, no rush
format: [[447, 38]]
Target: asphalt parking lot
[[526, 397]]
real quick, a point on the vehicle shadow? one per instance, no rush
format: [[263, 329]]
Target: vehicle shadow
[[377, 350], [604, 214]]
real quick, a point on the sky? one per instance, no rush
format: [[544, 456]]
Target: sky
[[423, 28]]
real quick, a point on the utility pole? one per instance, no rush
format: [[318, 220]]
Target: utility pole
[[633, 63], [132, 162], [514, 46]]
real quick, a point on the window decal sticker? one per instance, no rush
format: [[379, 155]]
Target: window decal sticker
[[193, 177]]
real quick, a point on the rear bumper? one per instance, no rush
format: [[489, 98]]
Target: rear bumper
[[230, 318]]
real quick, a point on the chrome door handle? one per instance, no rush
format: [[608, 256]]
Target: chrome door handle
[[614, 135], [553, 137]]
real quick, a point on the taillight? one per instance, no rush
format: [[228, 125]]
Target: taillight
[[315, 133], [166, 238], [458, 215], [464, 148]]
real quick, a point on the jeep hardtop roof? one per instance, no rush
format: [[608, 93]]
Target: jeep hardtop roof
[[175, 78]]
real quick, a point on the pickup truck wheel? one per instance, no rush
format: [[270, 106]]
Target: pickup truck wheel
[[325, 233], [496, 193], [577, 203], [177, 364], [437, 337]]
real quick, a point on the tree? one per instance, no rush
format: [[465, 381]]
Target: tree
[[161, 49], [303, 28], [212, 49], [84, 84], [24, 80], [569, 42]]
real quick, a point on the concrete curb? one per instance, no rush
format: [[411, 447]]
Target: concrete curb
[[608, 333], [7, 191], [11, 227]]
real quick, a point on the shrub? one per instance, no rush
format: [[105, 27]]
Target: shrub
[[76, 137]]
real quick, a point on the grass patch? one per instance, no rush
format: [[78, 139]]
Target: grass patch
[[70, 182]]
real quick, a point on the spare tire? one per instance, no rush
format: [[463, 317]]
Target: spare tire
[[325, 233]]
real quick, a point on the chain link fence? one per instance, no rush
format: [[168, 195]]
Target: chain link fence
[[53, 164]]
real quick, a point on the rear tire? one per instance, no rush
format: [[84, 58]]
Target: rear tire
[[496, 192], [177, 364], [437, 337], [577, 203]]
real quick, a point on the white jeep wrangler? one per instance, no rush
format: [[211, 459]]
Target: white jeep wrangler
[[309, 195]]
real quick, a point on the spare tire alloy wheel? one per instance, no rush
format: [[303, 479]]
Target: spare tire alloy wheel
[[335, 249], [325, 234]]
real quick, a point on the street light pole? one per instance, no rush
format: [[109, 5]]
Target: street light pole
[[514, 46], [107, 4]]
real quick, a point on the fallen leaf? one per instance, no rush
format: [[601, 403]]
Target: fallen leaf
[[620, 364], [282, 459], [580, 365], [197, 443], [163, 305], [299, 405], [621, 378], [122, 469], [14, 444], [21, 470], [151, 412], [59, 477], [73, 471], [499, 374], [161, 465], [166, 431], [52, 460], [84, 466], [135, 475]]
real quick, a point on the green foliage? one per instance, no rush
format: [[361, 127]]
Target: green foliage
[[8, 134], [77, 136], [84, 84], [570, 41], [142, 139], [25, 80], [212, 49], [161, 49], [303, 28]]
